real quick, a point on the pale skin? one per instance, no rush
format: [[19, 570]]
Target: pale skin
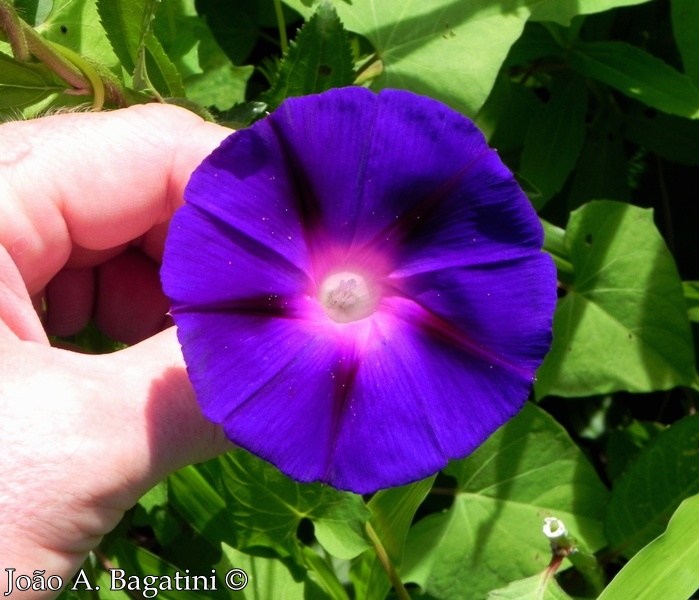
[[85, 201]]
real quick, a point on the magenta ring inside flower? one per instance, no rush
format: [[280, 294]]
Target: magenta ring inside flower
[[359, 288]]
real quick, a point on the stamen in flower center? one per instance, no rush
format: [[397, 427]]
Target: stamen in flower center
[[346, 297]]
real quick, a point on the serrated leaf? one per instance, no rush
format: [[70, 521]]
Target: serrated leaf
[[527, 470], [666, 568], [538, 587], [685, 16], [318, 59], [665, 473], [637, 74], [161, 71], [126, 23], [622, 324], [555, 137], [265, 508], [392, 513], [451, 51]]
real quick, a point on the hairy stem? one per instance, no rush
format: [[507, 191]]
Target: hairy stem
[[11, 24], [88, 70]]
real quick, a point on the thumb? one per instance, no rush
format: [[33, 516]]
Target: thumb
[[169, 430]]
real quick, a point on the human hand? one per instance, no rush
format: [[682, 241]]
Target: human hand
[[85, 201]]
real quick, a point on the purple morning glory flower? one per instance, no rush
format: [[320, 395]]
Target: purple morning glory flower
[[359, 288]]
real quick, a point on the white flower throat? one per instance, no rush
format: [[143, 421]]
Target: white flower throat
[[347, 297]]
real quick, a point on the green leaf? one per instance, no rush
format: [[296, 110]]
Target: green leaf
[[534, 43], [527, 470], [222, 86], [126, 23], [268, 578], [666, 568], [601, 170], [193, 497], [265, 508], [673, 138], [26, 87], [537, 587], [161, 71], [665, 473], [318, 59], [637, 74], [209, 77], [562, 11], [622, 324], [555, 137], [392, 513], [505, 116], [155, 498], [76, 24], [624, 445], [685, 16], [691, 295], [451, 51], [137, 563]]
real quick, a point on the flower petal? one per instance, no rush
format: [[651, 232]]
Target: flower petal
[[216, 265], [246, 183], [418, 400], [504, 309], [405, 194], [481, 217]]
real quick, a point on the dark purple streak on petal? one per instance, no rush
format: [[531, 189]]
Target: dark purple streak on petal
[[218, 265], [327, 144], [344, 381], [502, 309], [246, 183]]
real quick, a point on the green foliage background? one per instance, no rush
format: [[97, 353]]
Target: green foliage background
[[594, 104]]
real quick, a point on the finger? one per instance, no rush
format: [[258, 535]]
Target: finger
[[77, 183], [70, 297], [124, 421], [130, 304]]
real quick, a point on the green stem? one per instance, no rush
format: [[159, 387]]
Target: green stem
[[386, 563], [47, 54], [11, 24], [372, 68], [89, 72], [565, 545], [554, 244], [283, 42]]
